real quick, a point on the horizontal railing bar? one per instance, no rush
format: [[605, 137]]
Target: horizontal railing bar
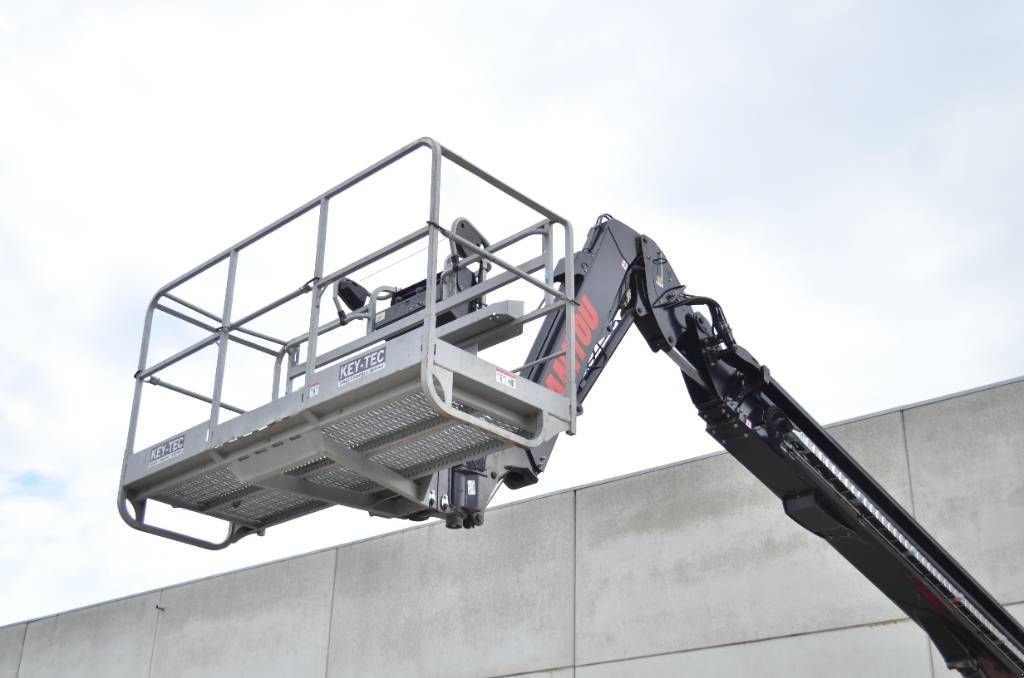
[[198, 396], [190, 305], [296, 213], [344, 271], [180, 355], [341, 273], [187, 318], [270, 307], [410, 321], [210, 328], [535, 229], [504, 264], [500, 185], [487, 287], [323, 329], [538, 361], [260, 335], [252, 344]]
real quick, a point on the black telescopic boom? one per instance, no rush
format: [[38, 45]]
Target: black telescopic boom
[[622, 279]]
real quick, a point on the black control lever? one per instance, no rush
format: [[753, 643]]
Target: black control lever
[[352, 294]]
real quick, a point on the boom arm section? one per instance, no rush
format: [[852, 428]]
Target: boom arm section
[[623, 278]]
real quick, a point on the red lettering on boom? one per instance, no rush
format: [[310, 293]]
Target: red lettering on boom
[[558, 368], [583, 327], [583, 332], [587, 312], [555, 385]]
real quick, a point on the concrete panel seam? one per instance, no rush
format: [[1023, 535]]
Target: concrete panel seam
[[330, 618], [928, 654], [575, 565], [765, 639], [21, 648], [156, 632], [535, 672], [906, 457]]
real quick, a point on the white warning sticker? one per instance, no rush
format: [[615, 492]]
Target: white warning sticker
[[505, 378]]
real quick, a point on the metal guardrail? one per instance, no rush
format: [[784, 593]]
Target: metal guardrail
[[223, 329]]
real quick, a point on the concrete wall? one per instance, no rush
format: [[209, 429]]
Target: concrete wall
[[686, 570]]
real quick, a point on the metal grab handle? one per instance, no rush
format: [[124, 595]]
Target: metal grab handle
[[235, 530], [382, 293]]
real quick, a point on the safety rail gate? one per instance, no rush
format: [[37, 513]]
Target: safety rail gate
[[375, 419]]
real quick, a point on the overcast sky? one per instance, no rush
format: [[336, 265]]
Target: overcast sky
[[843, 176]]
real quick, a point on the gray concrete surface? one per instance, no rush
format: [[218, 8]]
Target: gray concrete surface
[[975, 510], [71, 644], [432, 594], [265, 621], [691, 569], [12, 639], [895, 649], [706, 540]]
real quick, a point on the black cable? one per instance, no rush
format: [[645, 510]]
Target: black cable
[[719, 323]]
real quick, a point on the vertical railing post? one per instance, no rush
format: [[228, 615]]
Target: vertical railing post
[[293, 360], [570, 319], [222, 343], [548, 248], [317, 294], [133, 423], [429, 321]]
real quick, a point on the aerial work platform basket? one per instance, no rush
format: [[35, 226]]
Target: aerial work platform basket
[[378, 422]]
